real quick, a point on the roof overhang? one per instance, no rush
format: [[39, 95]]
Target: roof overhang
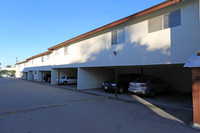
[[193, 61]]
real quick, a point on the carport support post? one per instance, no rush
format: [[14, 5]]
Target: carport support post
[[42, 77], [196, 97], [142, 71], [58, 76], [116, 73]]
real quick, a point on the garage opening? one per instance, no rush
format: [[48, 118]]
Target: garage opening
[[92, 78], [44, 76], [30, 75], [179, 82], [65, 77], [25, 75], [178, 101]]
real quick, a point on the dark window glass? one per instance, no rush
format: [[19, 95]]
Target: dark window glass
[[114, 37], [172, 19]]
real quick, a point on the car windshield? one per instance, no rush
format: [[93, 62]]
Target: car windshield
[[63, 77]]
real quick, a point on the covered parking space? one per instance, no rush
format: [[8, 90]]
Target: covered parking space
[[25, 76], [60, 72], [93, 77], [176, 76], [30, 75], [44, 76]]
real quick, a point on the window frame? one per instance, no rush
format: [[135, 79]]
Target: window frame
[[166, 22], [115, 35]]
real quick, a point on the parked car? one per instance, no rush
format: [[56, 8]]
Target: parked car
[[123, 83], [67, 80], [47, 78], [148, 86]]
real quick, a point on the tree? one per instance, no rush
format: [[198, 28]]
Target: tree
[[8, 66]]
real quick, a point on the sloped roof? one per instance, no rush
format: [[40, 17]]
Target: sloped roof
[[41, 54]]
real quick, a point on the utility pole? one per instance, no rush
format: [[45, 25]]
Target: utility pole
[[16, 60]]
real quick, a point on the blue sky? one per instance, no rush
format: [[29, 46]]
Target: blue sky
[[29, 27]]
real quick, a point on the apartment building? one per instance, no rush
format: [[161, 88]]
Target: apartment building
[[157, 41]]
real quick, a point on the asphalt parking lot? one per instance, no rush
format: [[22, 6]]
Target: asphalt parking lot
[[29, 107]]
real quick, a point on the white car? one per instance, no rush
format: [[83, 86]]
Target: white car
[[67, 80]]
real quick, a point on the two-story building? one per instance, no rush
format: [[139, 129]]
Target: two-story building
[[156, 41]]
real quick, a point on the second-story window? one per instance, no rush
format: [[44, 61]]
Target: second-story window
[[168, 20], [48, 56], [66, 50], [172, 19], [155, 24], [57, 52], [42, 58], [118, 36]]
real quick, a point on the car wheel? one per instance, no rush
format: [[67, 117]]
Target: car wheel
[[152, 93], [65, 82], [121, 90]]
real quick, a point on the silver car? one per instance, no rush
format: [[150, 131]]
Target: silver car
[[148, 86]]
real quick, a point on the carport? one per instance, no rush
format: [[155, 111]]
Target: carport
[[30, 76], [178, 80], [92, 77], [41, 74], [25, 75], [177, 77], [58, 73]]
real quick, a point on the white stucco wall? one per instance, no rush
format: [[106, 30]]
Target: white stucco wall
[[90, 78], [168, 46]]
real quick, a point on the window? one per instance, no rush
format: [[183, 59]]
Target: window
[[172, 19], [32, 61], [66, 50], [63, 77], [57, 52], [155, 24], [48, 57], [118, 36], [169, 20], [42, 58]]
